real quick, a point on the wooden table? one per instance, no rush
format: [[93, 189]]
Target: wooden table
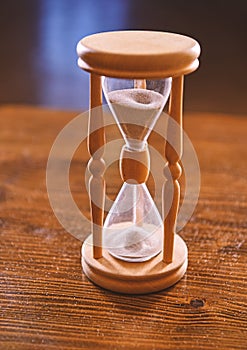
[[46, 301]]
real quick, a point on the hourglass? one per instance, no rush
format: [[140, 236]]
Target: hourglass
[[136, 249]]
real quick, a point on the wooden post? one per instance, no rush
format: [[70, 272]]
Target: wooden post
[[96, 141], [134, 169], [173, 170]]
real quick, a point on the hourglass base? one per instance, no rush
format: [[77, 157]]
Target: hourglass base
[[134, 278]]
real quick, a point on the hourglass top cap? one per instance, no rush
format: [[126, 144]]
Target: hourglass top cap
[[138, 54]]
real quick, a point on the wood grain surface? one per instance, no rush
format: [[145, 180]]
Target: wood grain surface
[[46, 301]]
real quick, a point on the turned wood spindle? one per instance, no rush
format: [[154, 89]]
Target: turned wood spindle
[[96, 141], [134, 169], [134, 165], [173, 170]]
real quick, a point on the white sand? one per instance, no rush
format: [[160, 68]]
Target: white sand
[[136, 110], [137, 98], [132, 243]]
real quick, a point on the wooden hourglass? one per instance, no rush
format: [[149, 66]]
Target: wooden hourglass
[[135, 251]]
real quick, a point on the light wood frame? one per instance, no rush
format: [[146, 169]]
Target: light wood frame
[[135, 55]]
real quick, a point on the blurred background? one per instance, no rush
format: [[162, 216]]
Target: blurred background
[[39, 37]]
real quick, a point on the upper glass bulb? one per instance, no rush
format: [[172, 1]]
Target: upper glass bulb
[[136, 106]]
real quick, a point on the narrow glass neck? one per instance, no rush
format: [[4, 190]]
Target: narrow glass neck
[[135, 145], [134, 164]]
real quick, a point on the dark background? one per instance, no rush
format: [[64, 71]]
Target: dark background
[[38, 41]]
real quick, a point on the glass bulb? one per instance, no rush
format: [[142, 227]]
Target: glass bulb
[[133, 229], [136, 105]]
